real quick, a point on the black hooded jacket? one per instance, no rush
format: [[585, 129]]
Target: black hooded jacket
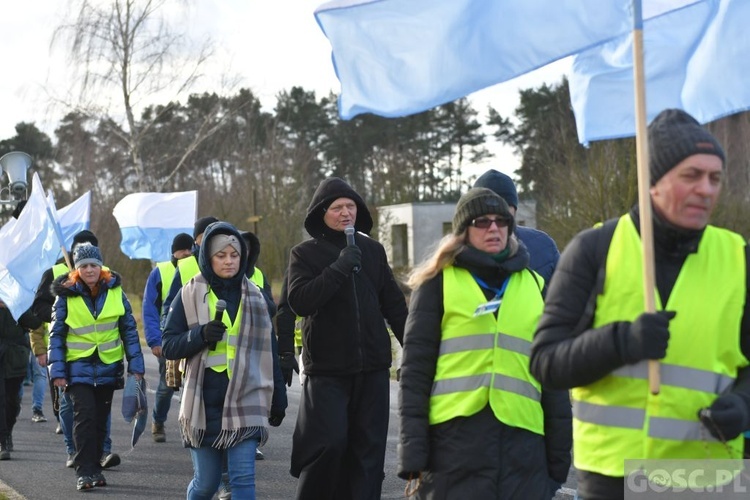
[[345, 330]]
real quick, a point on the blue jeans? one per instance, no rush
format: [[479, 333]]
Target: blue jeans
[[207, 471], [66, 423], [164, 394], [37, 376], [39, 379]]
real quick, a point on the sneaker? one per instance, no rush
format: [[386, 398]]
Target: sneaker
[[157, 432], [99, 479], [38, 416], [71, 460], [58, 429], [84, 483], [110, 460], [225, 491], [259, 455]]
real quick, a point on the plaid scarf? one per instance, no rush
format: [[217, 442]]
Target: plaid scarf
[[250, 389]]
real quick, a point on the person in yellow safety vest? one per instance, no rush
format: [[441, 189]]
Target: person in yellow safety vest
[[93, 329], [595, 337], [187, 267], [157, 286], [474, 423], [44, 301], [229, 377]]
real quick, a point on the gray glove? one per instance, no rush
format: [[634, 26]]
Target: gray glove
[[349, 258], [648, 336]]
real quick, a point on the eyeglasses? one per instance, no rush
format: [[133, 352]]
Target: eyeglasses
[[486, 222]]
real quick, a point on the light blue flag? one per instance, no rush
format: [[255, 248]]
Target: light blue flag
[[150, 221], [29, 247], [695, 59], [399, 57], [73, 218]]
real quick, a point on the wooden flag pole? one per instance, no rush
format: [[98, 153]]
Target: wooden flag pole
[[644, 182]]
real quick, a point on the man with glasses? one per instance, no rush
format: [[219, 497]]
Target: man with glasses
[[346, 292]]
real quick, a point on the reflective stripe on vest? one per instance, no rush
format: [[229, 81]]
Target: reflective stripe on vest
[[166, 271], [221, 358], [616, 418], [188, 268], [484, 359], [87, 334]]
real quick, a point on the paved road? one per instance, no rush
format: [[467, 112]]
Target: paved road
[[156, 470]]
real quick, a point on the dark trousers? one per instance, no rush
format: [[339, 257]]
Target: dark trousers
[[91, 407], [10, 404], [338, 447]]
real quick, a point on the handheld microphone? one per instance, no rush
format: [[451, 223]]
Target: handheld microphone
[[349, 232], [221, 305]]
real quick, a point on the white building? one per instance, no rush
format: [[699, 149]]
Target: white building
[[410, 231]]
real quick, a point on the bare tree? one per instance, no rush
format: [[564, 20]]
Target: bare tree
[[129, 50]]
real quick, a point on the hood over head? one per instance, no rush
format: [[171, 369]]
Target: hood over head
[[328, 191]]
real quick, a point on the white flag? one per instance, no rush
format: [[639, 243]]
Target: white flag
[[149, 221], [29, 248]]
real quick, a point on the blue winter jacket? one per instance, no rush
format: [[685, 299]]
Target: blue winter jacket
[[91, 370], [542, 250]]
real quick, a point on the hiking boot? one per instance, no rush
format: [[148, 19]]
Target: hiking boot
[[71, 460], [157, 432], [38, 416], [259, 455], [84, 483], [110, 460], [99, 479]]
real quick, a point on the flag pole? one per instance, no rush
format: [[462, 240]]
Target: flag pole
[[644, 181]]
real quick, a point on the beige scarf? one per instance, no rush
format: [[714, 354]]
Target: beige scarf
[[250, 389]]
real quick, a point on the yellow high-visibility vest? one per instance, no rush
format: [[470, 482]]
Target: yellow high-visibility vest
[[617, 418], [485, 359], [86, 333]]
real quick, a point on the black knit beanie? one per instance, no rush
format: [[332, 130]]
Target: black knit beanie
[[476, 203], [673, 136], [201, 225], [182, 241], [84, 236], [501, 184]]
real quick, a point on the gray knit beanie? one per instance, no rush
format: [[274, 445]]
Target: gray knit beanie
[[673, 136], [477, 202], [86, 253]]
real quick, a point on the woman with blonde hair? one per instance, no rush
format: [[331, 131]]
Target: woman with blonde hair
[[474, 422]]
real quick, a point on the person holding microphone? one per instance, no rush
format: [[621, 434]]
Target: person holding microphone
[[228, 380]]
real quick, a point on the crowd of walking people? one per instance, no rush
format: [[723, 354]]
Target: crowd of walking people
[[518, 361]]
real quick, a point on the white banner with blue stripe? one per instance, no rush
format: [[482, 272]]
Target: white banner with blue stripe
[[149, 221]]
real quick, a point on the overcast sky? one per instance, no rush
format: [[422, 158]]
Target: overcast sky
[[272, 44]]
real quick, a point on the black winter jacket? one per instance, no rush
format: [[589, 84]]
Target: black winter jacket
[[515, 458], [563, 357], [345, 330]]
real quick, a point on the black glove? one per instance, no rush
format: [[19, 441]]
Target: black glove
[[349, 258], [276, 418], [288, 364], [649, 336], [213, 331], [727, 417]]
